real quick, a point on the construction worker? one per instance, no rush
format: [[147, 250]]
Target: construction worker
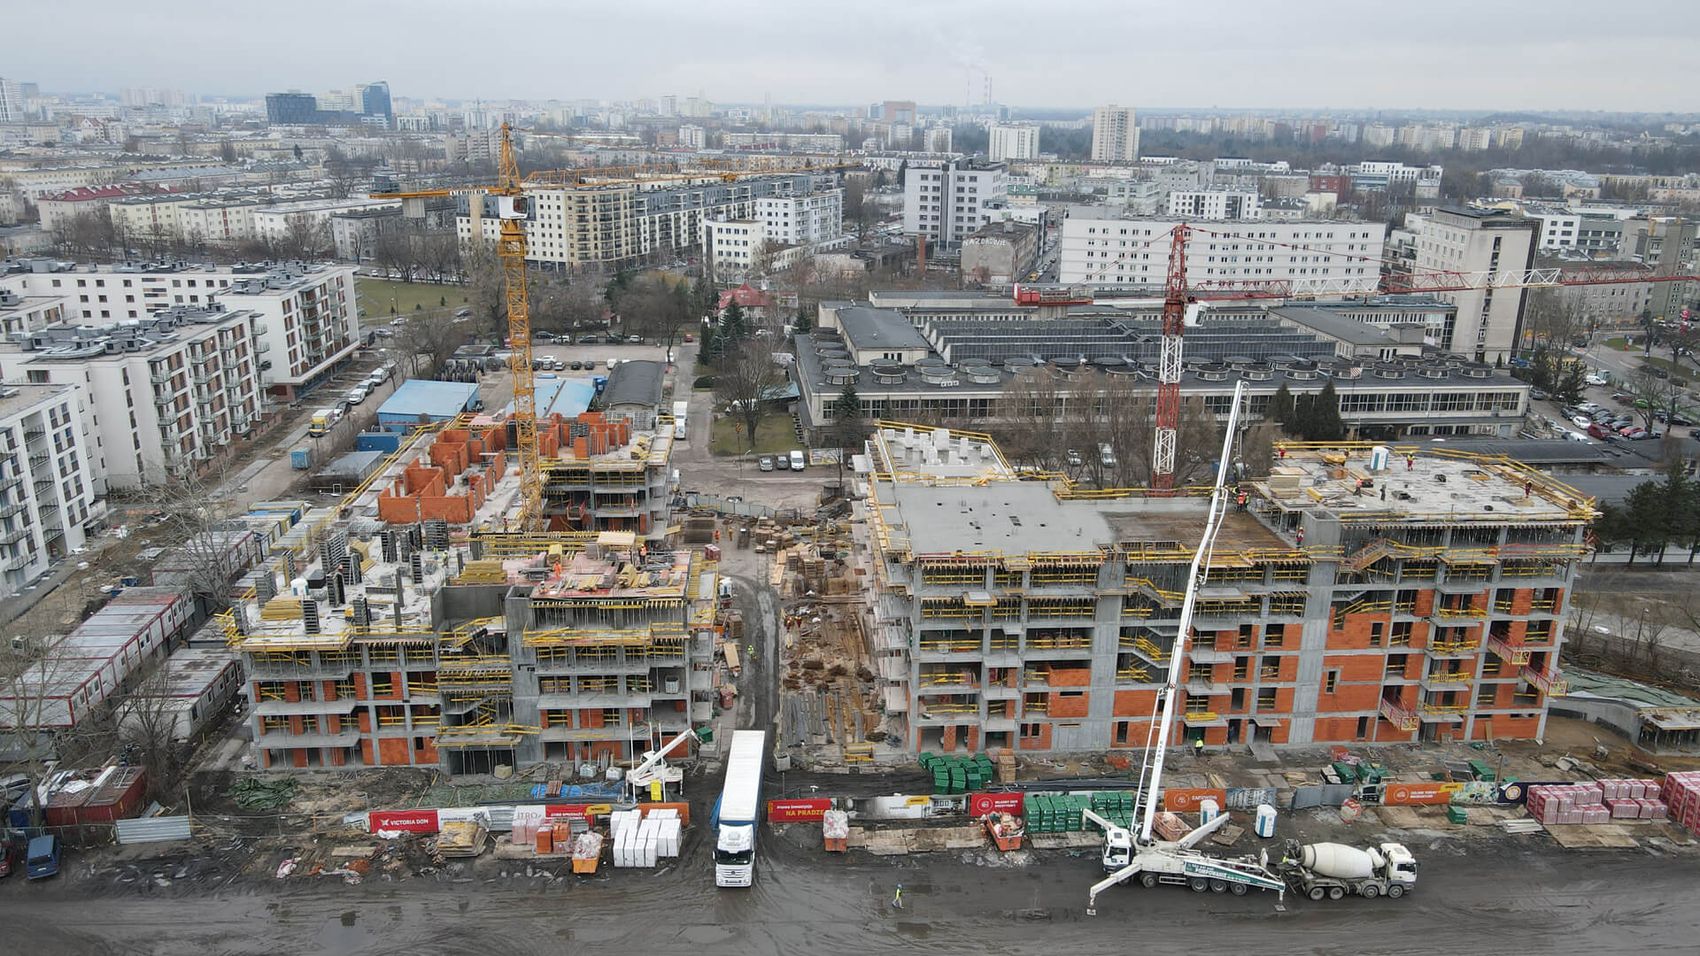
[[897, 898], [1240, 499], [1198, 746], [1300, 535], [750, 651]]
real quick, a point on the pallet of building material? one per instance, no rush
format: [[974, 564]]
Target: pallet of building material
[[459, 839], [835, 831]]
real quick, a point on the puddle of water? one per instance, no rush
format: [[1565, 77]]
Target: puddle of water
[[349, 917]]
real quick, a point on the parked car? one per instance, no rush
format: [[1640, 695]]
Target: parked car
[[575, 365], [384, 333], [1538, 395], [463, 313], [1683, 420], [1073, 458], [1634, 433], [8, 858], [765, 463], [42, 860], [782, 462], [1596, 379], [798, 460], [355, 395], [1581, 421], [1602, 432], [634, 340]]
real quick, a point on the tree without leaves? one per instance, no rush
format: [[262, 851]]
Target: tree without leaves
[[429, 340], [148, 720], [743, 378], [1654, 395]]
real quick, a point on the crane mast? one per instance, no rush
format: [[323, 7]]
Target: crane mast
[[1169, 365], [510, 249]]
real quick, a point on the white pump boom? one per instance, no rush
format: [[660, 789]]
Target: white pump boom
[[642, 774], [1219, 498]]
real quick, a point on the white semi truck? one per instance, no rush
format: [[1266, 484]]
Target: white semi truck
[[1332, 870], [737, 814]]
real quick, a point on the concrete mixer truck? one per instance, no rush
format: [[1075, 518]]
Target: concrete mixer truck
[[1332, 870]]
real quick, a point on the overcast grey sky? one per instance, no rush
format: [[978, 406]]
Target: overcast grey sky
[[1441, 54]]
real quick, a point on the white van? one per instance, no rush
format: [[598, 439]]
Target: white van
[[798, 462]]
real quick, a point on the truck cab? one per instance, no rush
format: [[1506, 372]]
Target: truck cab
[[1401, 865], [1118, 849], [323, 419], [42, 860]]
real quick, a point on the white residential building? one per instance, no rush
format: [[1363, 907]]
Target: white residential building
[[160, 396], [1112, 251], [1557, 228], [279, 223], [1469, 241], [1012, 141], [622, 222], [693, 137], [783, 230], [11, 102], [948, 202], [309, 320], [1115, 135], [936, 139], [1214, 204], [802, 220], [46, 480]]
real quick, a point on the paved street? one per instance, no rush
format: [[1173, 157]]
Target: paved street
[[1528, 902]]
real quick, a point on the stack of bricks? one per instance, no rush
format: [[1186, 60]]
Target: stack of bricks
[[1633, 799], [1568, 804], [1682, 792]]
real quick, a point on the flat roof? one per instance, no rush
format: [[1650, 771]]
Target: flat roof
[[17, 398], [869, 328], [438, 400], [1430, 484], [1335, 326], [1026, 516]]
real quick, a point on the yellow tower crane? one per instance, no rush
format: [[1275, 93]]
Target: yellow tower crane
[[511, 208]]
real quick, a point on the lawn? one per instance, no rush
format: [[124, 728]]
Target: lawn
[[1617, 342], [1681, 373], [774, 434], [377, 296]]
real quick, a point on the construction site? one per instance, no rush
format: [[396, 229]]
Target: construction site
[[1357, 594], [418, 626]]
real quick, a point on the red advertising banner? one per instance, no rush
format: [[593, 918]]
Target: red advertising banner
[[1419, 793], [412, 821], [797, 811], [980, 804], [582, 810], [1187, 799]]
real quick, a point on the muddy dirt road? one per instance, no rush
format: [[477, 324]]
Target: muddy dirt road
[[1528, 901]]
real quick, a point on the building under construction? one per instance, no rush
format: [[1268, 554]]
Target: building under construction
[[1359, 594], [415, 629]]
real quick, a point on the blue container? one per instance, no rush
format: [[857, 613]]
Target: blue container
[[386, 442], [301, 459]]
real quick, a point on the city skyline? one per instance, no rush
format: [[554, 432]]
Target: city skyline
[[1279, 58]]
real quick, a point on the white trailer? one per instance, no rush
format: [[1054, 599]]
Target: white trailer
[[738, 811]]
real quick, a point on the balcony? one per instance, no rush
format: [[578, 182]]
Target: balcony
[[1510, 654], [1444, 613], [14, 536], [1204, 687], [1398, 716], [1209, 654], [13, 510], [1446, 680], [1463, 648], [1442, 713], [1551, 682]]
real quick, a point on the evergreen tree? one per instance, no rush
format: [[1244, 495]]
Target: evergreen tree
[[1325, 421], [1299, 425], [803, 323], [733, 327], [1281, 406]]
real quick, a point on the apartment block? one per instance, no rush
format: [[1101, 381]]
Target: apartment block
[[1012, 141], [47, 481], [1115, 135], [782, 230], [1479, 241], [1327, 255], [615, 223], [1363, 595], [404, 646], [308, 316], [159, 397], [948, 202], [1214, 204]]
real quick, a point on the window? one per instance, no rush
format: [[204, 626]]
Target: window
[[1266, 700], [1029, 730], [1273, 636], [1375, 631], [1330, 682]]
